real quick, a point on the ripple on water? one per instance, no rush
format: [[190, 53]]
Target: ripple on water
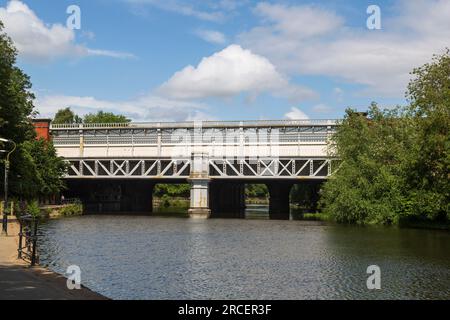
[[127, 257]]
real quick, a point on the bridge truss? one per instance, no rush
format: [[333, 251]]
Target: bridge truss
[[289, 168]]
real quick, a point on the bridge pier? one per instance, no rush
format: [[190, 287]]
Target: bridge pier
[[199, 207], [279, 206], [199, 179], [227, 200]]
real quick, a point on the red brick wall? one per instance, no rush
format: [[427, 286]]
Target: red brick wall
[[42, 127]]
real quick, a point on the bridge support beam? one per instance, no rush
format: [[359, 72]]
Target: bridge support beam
[[227, 200], [199, 207], [279, 206]]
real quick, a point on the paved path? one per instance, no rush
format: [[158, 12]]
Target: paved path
[[20, 282]]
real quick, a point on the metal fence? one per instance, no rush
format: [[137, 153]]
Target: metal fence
[[28, 239]]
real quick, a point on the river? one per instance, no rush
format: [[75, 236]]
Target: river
[[142, 257]]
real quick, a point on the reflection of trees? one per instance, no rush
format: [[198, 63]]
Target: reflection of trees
[[306, 195], [415, 264]]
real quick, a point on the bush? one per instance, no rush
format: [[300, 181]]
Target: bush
[[33, 209], [72, 210]]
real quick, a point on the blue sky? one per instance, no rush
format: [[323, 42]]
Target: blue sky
[[174, 60]]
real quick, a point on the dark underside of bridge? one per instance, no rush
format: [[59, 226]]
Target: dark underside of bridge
[[226, 197]]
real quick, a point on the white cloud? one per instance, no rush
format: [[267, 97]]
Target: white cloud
[[305, 40], [228, 73], [211, 36], [145, 108], [321, 108], [299, 21], [182, 8], [36, 40], [296, 114]]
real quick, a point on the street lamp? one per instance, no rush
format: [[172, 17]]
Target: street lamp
[[5, 210]]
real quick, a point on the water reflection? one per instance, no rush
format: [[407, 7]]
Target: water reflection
[[126, 257]]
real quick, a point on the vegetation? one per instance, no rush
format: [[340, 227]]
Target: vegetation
[[35, 168], [70, 210], [395, 163], [256, 191], [172, 190], [66, 116], [33, 209], [105, 117]]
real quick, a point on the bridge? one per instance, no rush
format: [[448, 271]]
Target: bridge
[[114, 167]]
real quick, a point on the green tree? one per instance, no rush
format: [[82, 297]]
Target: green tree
[[66, 116], [396, 163], [35, 168], [172, 190], [256, 191], [429, 96], [49, 168], [16, 99], [105, 117], [369, 186]]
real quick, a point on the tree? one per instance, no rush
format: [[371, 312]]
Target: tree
[[66, 116], [429, 96], [396, 163], [35, 168], [49, 168], [105, 117], [256, 191], [172, 190], [16, 99]]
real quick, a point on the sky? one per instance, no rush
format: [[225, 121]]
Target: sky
[[173, 60]]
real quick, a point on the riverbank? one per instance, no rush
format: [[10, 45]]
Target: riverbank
[[18, 281]]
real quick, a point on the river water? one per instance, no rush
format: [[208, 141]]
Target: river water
[[140, 257]]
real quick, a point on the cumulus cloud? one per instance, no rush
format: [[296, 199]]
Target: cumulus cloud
[[212, 36], [145, 108], [228, 73], [296, 114], [310, 40], [36, 40]]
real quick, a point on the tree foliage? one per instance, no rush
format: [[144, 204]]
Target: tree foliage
[[173, 190], [395, 163], [105, 117], [16, 99], [256, 191], [35, 168], [66, 116]]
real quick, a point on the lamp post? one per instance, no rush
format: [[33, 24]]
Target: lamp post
[[6, 208]]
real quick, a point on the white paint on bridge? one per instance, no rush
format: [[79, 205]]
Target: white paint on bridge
[[247, 149]]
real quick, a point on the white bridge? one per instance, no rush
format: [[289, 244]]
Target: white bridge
[[199, 152]]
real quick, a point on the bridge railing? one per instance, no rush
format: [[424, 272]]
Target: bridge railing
[[192, 124]]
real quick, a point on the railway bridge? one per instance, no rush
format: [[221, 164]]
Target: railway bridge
[[114, 167]]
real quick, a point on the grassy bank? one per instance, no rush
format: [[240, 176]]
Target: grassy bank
[[61, 211]]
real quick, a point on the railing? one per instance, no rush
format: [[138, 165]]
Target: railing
[[192, 124], [28, 239]]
